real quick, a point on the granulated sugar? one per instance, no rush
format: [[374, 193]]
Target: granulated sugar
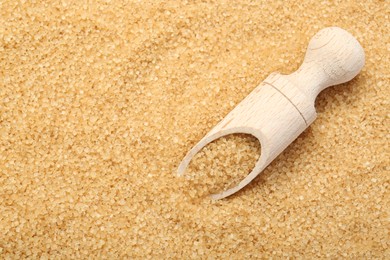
[[223, 163], [101, 100]]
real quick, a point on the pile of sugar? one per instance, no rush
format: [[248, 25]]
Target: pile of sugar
[[222, 164], [100, 101]]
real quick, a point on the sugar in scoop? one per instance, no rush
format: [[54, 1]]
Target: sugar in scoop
[[222, 164]]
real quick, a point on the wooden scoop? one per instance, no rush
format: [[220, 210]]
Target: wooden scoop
[[282, 106]]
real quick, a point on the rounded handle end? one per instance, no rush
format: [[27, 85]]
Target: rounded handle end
[[333, 57]]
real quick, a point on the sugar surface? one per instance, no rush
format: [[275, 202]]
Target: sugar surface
[[99, 103]]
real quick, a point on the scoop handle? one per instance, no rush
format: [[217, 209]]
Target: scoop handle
[[333, 57]]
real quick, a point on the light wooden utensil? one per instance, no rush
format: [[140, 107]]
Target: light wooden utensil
[[282, 106]]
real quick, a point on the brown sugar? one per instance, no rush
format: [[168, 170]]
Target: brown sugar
[[101, 100], [223, 163]]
